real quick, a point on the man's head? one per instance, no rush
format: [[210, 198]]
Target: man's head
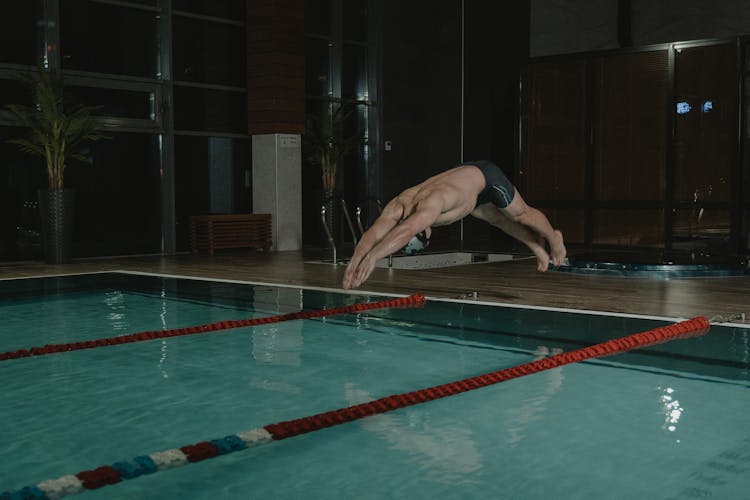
[[418, 242]]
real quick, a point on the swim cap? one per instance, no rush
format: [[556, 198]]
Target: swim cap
[[417, 243]]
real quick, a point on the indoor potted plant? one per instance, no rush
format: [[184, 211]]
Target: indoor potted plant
[[325, 142], [55, 131]]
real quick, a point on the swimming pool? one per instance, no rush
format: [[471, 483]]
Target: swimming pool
[[666, 422]]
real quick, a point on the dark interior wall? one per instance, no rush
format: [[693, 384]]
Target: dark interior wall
[[668, 21], [421, 91], [422, 88], [496, 44], [575, 26]]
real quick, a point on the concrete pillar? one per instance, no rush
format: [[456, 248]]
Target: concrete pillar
[[277, 186]]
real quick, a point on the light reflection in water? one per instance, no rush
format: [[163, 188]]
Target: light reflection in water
[[445, 450], [163, 316], [672, 409], [115, 301], [532, 408], [744, 342], [274, 345]]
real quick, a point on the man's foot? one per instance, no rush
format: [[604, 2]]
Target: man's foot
[[557, 249], [542, 257], [542, 264]]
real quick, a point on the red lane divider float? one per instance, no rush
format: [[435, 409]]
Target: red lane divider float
[[169, 459], [410, 301]]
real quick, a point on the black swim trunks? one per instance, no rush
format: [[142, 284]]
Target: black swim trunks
[[498, 189]]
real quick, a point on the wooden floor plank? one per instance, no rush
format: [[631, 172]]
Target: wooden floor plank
[[515, 282]]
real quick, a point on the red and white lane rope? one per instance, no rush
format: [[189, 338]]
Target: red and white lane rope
[[410, 301], [169, 459]]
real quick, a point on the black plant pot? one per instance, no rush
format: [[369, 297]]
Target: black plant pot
[[56, 208]]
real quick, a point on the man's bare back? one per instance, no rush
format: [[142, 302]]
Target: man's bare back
[[443, 199], [454, 192]]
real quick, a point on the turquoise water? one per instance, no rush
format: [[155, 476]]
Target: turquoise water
[[666, 422]]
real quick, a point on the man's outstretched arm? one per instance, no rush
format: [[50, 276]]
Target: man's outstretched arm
[[376, 245], [374, 234]]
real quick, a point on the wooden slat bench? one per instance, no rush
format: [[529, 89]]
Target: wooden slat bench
[[220, 231]]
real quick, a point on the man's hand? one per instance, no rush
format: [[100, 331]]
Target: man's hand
[[357, 273]]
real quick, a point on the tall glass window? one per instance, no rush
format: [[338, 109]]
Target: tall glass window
[[318, 67], [744, 191], [208, 51], [356, 20], [18, 31], [705, 116], [224, 111], [214, 175], [168, 80], [651, 137], [13, 91], [212, 147], [99, 37], [20, 176], [223, 9], [338, 71], [118, 196]]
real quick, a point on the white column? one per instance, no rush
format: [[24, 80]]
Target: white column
[[277, 186]]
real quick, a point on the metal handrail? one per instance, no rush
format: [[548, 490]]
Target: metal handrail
[[328, 232], [358, 213], [348, 220], [361, 227]]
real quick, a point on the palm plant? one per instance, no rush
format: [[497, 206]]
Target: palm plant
[[325, 142], [56, 128]]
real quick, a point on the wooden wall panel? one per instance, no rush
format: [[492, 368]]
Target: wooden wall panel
[[705, 139], [275, 66], [553, 136], [630, 126]]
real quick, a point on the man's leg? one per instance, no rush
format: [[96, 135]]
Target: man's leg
[[536, 243], [519, 211]]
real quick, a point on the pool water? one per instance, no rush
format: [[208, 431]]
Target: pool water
[[665, 422]]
